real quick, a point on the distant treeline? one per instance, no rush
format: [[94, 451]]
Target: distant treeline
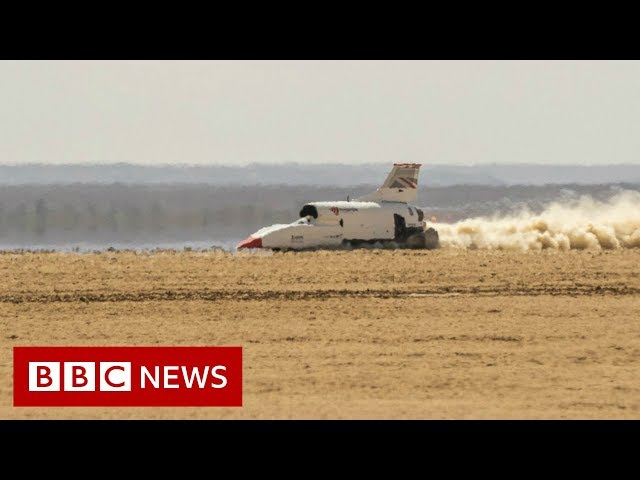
[[341, 175], [118, 212], [41, 216]]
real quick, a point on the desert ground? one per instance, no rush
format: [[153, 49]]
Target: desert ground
[[365, 334]]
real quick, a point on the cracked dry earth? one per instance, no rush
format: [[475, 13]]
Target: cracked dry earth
[[364, 334]]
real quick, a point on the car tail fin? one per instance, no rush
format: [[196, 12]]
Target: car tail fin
[[401, 185]]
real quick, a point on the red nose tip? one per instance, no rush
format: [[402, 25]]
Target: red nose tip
[[250, 243]]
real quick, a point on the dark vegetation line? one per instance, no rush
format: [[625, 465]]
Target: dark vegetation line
[[190, 211]]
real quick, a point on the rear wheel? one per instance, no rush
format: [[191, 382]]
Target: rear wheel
[[416, 240], [431, 239]]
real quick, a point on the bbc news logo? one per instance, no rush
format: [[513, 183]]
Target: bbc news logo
[[116, 376], [127, 376]]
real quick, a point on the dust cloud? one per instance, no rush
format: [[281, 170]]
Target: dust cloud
[[579, 224]]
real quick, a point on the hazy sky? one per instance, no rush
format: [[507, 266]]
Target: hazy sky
[[240, 112]]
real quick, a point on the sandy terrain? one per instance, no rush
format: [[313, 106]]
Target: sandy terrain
[[365, 334]]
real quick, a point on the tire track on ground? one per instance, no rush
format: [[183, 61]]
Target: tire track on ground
[[248, 295]]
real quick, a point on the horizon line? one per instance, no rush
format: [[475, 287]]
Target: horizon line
[[289, 163]]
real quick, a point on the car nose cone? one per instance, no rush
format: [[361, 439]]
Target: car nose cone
[[250, 242]]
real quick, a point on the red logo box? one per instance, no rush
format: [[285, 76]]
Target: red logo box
[[127, 376]]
